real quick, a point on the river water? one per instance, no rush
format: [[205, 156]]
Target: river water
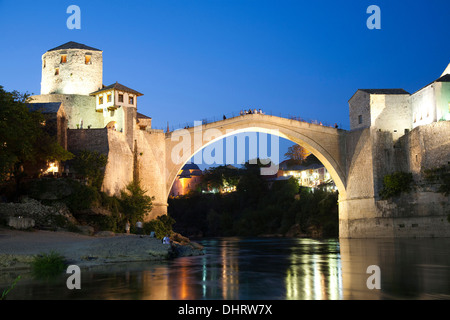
[[265, 269]]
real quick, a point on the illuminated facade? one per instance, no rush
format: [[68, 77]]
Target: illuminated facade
[[72, 74], [307, 176], [397, 111], [187, 180], [56, 124]]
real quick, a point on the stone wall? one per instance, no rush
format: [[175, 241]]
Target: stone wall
[[75, 76], [150, 159], [119, 169], [372, 155], [391, 113], [79, 108], [359, 105]]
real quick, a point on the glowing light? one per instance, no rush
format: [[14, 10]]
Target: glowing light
[[52, 168]]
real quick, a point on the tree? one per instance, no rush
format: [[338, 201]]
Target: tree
[[220, 177], [134, 202], [297, 154], [24, 140], [91, 164]]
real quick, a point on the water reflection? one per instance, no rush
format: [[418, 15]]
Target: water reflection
[[314, 272], [264, 269]]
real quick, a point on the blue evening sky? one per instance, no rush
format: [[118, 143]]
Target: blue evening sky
[[196, 59]]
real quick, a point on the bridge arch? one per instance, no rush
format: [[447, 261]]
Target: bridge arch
[[324, 142]]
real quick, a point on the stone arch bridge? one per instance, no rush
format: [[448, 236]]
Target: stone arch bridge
[[357, 161], [326, 143]]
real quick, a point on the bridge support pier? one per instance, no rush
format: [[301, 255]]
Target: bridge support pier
[[158, 209], [414, 215], [359, 218]]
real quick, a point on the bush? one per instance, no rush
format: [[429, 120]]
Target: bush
[[48, 265], [162, 225], [82, 198], [396, 183]]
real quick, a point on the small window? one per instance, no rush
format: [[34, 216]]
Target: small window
[[120, 97], [100, 100], [87, 59], [63, 58], [45, 63], [108, 98], [56, 71], [131, 100], [360, 119]]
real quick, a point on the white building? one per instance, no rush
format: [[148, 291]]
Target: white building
[[310, 176], [398, 111]]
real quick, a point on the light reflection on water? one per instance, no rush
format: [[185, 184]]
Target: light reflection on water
[[264, 269]]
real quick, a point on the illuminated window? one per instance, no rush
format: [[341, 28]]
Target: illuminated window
[[131, 100], [100, 100], [108, 98], [63, 58], [56, 71], [87, 59], [120, 97]]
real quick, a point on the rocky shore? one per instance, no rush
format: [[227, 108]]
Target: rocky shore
[[17, 248]]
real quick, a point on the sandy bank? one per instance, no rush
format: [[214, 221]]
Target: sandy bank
[[18, 247]]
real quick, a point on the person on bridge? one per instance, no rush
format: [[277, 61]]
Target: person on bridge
[[224, 117], [260, 111], [249, 111]]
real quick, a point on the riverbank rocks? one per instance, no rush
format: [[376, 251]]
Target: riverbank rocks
[[21, 223], [186, 250], [86, 230], [30, 210]]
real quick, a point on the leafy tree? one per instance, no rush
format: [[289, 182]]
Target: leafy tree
[[26, 145], [135, 203], [220, 177], [296, 154], [91, 165]]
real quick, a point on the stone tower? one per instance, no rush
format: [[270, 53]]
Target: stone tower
[[72, 68]]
